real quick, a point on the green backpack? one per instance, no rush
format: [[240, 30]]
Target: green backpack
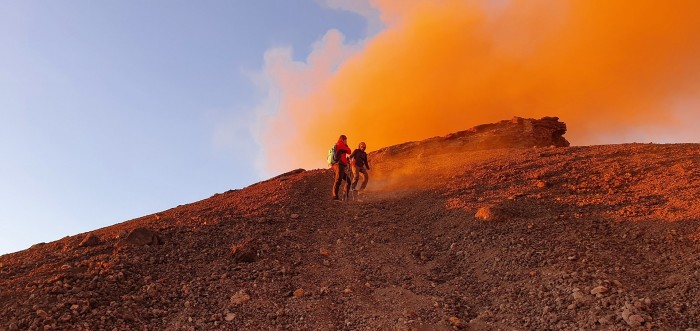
[[331, 156]]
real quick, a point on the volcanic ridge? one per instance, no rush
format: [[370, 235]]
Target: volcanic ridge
[[500, 227]]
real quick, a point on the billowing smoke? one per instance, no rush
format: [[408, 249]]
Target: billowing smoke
[[614, 71]]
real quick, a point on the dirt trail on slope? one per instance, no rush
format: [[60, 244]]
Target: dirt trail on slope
[[593, 238]]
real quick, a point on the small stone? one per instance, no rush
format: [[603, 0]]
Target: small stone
[[484, 214], [74, 307], [456, 322], [626, 314], [541, 184], [294, 216], [298, 293], [347, 291], [230, 317], [324, 290], [42, 314], [244, 251], [89, 241], [599, 290], [635, 320], [324, 251], [326, 263], [240, 297]]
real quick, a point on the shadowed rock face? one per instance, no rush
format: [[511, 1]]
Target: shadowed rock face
[[515, 133]]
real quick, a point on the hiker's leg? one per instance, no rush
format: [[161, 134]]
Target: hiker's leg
[[348, 182], [365, 178], [338, 179], [355, 177]]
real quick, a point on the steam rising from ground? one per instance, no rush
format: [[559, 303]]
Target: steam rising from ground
[[614, 71]]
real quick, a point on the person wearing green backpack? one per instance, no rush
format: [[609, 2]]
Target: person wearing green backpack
[[339, 163]]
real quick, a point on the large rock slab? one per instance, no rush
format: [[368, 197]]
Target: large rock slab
[[515, 133], [142, 237]]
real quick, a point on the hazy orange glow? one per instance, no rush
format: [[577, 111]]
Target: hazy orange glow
[[603, 67]]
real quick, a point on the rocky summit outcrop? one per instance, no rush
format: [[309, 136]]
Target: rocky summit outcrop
[[515, 133], [577, 238], [403, 165]]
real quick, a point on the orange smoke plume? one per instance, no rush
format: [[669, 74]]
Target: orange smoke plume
[[609, 69]]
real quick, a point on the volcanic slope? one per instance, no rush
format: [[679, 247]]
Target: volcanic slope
[[594, 238]]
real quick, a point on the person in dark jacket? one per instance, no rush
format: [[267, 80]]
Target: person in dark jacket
[[360, 165], [340, 166]]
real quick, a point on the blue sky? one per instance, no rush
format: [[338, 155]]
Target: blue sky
[[114, 110]]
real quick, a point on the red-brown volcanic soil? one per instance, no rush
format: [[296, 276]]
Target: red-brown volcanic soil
[[569, 238]]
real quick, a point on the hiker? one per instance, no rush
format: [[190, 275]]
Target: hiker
[[340, 166], [360, 165]]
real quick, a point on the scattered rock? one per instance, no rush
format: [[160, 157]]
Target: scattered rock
[[298, 293], [484, 214], [294, 216], [240, 297], [122, 234], [142, 237], [244, 251], [599, 290], [634, 320], [605, 320], [230, 317], [89, 241], [580, 296], [456, 322], [42, 314], [324, 251]]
